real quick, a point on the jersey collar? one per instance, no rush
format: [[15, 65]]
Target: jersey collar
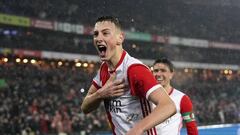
[[119, 62], [171, 91]]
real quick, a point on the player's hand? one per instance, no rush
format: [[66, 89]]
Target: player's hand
[[113, 87]]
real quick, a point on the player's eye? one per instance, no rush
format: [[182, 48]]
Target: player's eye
[[95, 34], [155, 70], [106, 33]]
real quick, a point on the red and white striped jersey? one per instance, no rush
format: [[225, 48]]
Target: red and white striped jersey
[[125, 111], [173, 125]]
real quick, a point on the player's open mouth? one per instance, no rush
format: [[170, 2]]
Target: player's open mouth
[[159, 78], [102, 50]]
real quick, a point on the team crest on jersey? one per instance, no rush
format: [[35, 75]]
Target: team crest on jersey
[[132, 117]]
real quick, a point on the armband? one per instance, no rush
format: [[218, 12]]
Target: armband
[[188, 117]]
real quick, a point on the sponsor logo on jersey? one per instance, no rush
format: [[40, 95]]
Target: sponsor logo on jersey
[[113, 105]]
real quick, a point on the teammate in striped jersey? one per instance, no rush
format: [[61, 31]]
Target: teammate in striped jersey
[[125, 85], [163, 71]]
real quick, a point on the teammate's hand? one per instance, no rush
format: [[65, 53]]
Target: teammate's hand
[[113, 87]]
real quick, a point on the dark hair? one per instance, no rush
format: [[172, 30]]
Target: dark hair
[[112, 19], [166, 62]]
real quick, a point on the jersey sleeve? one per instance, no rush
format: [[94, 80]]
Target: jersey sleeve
[[141, 80], [186, 110]]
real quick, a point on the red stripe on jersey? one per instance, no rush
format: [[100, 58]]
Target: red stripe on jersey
[[146, 108], [104, 75], [171, 91], [111, 123], [149, 106], [155, 131], [95, 85], [142, 100], [147, 112], [150, 110], [143, 112]]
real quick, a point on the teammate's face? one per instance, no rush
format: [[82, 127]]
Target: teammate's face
[[106, 38], [162, 74]]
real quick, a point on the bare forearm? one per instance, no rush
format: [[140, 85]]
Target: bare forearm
[[91, 102], [158, 115]]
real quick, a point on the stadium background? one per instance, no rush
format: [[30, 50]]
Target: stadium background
[[47, 60]]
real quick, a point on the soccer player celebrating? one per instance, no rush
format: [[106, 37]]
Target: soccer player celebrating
[[125, 85], [163, 71]]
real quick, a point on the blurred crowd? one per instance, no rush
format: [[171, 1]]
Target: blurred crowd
[[34, 39], [44, 99], [176, 18], [214, 94]]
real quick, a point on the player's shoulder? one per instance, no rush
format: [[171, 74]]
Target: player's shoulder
[[131, 60], [181, 95], [135, 63], [177, 92]]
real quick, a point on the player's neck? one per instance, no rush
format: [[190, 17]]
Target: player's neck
[[112, 64], [168, 88]]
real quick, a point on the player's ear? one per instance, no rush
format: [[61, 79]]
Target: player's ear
[[172, 74], [121, 38]]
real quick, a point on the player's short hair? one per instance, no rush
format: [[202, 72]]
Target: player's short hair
[[112, 19], [166, 62]]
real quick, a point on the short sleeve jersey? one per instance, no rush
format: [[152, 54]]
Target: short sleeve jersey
[[173, 125], [124, 111]]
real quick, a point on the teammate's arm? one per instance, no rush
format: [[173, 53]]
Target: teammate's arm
[[186, 110]]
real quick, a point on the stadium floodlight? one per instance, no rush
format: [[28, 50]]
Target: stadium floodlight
[[5, 60], [225, 71], [33, 61], [85, 64], [18, 60], [78, 64], [60, 63], [25, 60]]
